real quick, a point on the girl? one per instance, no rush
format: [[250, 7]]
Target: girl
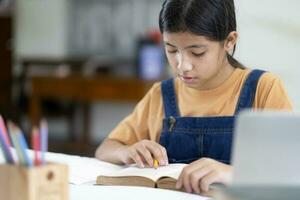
[[190, 118]]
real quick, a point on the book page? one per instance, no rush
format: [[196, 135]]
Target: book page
[[171, 170], [82, 170]]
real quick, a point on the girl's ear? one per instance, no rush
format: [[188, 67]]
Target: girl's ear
[[230, 41]]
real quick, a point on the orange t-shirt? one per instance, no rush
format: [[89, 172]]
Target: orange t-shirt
[[145, 122]]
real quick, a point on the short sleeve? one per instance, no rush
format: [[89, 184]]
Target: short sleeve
[[271, 94], [135, 126]]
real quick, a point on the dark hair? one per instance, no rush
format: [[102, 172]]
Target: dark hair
[[214, 19]]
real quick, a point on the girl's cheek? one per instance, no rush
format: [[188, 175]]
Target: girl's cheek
[[173, 62], [178, 57]]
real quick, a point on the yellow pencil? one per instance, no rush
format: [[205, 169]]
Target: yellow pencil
[[155, 164]]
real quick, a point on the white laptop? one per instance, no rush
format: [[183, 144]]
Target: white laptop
[[266, 156], [266, 148]]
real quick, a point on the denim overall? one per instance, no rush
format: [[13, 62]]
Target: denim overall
[[187, 139]]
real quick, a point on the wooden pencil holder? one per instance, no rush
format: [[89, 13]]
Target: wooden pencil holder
[[47, 182]]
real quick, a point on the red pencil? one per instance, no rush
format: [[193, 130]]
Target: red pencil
[[35, 142], [4, 130]]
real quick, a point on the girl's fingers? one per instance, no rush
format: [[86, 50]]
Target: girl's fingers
[[191, 167], [179, 183], [199, 175], [196, 177], [206, 181], [191, 174], [158, 152], [137, 159], [183, 180], [145, 153], [165, 155]]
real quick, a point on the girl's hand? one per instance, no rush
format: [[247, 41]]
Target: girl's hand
[[200, 174], [143, 154]]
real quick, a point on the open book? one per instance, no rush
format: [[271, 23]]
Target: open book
[[163, 177]]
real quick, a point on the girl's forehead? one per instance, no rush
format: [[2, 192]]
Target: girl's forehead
[[185, 38]]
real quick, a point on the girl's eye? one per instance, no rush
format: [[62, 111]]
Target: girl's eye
[[198, 54], [173, 51]]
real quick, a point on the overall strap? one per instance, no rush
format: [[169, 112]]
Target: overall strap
[[248, 92], [169, 98]]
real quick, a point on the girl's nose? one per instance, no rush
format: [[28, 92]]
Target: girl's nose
[[183, 63]]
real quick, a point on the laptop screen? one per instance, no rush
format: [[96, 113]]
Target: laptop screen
[[266, 148]]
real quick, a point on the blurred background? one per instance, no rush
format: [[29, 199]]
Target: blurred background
[[84, 64]]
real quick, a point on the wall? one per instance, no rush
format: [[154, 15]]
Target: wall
[[57, 28], [270, 39], [110, 27], [41, 28]]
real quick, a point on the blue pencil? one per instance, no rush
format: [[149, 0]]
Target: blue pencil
[[20, 144], [6, 150], [1, 151], [43, 140], [24, 148], [16, 144]]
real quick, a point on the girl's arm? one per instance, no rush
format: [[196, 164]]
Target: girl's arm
[[110, 151], [124, 145]]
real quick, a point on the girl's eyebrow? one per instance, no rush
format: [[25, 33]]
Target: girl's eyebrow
[[196, 46], [167, 43], [188, 47]]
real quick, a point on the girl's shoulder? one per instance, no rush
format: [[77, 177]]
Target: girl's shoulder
[[271, 93], [266, 81], [269, 77], [154, 92], [269, 81], [156, 87], [266, 78]]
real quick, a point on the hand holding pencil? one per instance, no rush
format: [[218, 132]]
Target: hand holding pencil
[[144, 153]]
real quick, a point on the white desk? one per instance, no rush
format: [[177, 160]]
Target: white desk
[[82, 175], [127, 193]]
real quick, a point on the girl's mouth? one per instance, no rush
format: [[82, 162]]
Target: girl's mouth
[[187, 79]]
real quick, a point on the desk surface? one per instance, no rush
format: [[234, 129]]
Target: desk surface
[[132, 193]]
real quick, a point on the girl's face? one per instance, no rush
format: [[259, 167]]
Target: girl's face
[[199, 62]]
